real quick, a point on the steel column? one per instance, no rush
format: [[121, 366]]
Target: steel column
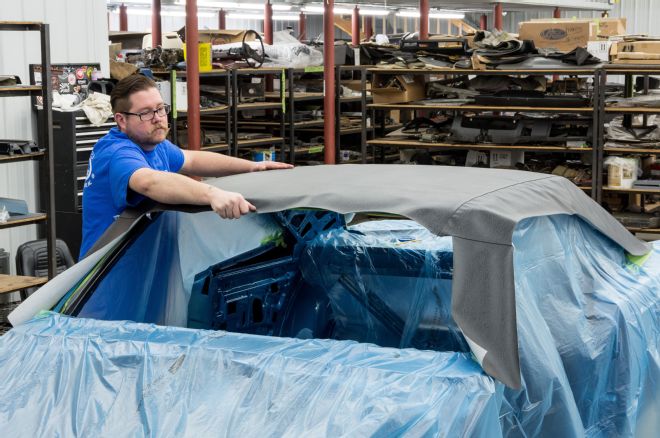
[[47, 143], [192, 75], [497, 13], [123, 18], [483, 22], [156, 38], [368, 27], [329, 81], [423, 20], [268, 23], [222, 19], [556, 13], [355, 27], [302, 26]]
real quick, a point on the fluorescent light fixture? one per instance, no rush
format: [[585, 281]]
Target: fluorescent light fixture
[[409, 14], [147, 12], [244, 16], [239, 6], [447, 15], [285, 17], [313, 10], [432, 14]]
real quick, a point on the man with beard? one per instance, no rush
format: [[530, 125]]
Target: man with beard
[[134, 161]]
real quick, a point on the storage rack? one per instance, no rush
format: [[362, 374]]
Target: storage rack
[[628, 71], [593, 110], [237, 107], [363, 100], [13, 283], [207, 115]]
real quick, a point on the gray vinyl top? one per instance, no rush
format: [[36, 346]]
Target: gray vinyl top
[[478, 207]]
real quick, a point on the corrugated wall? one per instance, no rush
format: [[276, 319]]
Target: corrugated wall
[[78, 33]]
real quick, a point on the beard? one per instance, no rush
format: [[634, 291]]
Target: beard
[[150, 139]]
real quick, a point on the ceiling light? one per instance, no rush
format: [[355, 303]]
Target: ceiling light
[[432, 14], [285, 17], [313, 10], [166, 13], [244, 16], [239, 6]]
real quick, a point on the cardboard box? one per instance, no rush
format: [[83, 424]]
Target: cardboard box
[[405, 88], [611, 26], [635, 52], [600, 49], [113, 48], [506, 158], [181, 99], [558, 34], [605, 27]]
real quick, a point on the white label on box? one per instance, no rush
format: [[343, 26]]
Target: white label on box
[[600, 49], [506, 158]]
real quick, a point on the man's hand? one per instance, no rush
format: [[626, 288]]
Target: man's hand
[[229, 205], [270, 165]]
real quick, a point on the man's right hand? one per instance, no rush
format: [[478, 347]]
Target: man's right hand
[[229, 205]]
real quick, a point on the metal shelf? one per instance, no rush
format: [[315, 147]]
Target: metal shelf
[[259, 141], [21, 25], [420, 144], [632, 190], [28, 219], [632, 150], [20, 90], [206, 111], [459, 71], [297, 96], [480, 108], [218, 147], [21, 157], [258, 106], [634, 110], [643, 230], [14, 283]]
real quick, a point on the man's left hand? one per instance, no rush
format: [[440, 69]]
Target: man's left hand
[[270, 165]]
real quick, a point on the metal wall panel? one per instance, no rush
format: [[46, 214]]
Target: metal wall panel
[[78, 33]]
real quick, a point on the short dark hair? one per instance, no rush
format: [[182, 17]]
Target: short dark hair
[[121, 94]]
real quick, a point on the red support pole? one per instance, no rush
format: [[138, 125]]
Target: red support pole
[[556, 13], [498, 16], [329, 81], [222, 19], [156, 38], [123, 18], [302, 26], [423, 19], [368, 27], [483, 22], [268, 23], [355, 27], [192, 75]]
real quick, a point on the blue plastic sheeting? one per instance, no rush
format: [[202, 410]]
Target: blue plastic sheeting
[[588, 323], [588, 334], [588, 319], [152, 280], [80, 377]]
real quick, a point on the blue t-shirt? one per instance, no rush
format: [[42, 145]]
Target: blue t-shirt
[[106, 193]]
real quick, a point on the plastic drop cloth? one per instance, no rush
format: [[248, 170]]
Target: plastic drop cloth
[[588, 319], [588, 322], [80, 377]]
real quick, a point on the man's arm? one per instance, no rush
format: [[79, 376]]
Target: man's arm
[[204, 163], [173, 188]]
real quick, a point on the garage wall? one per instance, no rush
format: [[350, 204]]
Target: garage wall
[[78, 33]]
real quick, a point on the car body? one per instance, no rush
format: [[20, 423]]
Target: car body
[[508, 304]]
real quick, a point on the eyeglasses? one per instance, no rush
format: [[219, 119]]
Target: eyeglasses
[[145, 116]]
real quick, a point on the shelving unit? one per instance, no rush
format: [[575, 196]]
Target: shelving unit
[[628, 71], [238, 107], [381, 108], [13, 283]]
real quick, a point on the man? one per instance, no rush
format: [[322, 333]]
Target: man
[[134, 161]]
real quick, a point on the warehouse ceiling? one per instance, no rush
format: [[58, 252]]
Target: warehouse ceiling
[[457, 5]]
